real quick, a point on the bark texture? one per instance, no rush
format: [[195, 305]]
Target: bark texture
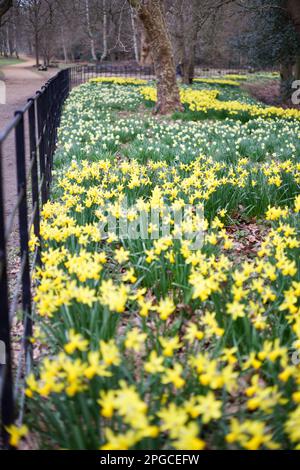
[[287, 75], [151, 15], [89, 30], [5, 5], [297, 68], [293, 9], [105, 25], [134, 34], [146, 56]]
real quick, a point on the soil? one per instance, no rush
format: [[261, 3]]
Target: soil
[[268, 92]]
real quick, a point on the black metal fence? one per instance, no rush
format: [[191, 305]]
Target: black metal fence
[[82, 73], [32, 136]]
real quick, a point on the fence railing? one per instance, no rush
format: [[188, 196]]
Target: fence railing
[[82, 73], [31, 137]]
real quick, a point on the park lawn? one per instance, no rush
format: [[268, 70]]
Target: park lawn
[[4, 62], [9, 61], [172, 339]]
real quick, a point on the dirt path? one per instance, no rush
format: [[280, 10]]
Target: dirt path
[[22, 81]]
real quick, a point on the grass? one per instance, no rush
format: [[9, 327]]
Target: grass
[[4, 62]]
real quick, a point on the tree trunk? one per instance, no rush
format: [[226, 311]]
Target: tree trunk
[[188, 66], [150, 13], [293, 9], [185, 27], [90, 34], [134, 34], [15, 34], [286, 75], [16, 45], [146, 56], [93, 50], [37, 49], [7, 41], [105, 47], [191, 28], [297, 68], [64, 47]]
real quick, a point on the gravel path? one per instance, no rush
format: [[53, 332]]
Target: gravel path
[[22, 81]]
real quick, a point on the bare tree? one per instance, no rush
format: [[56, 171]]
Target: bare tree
[[201, 30], [105, 31], [187, 19], [151, 15], [184, 16], [146, 55], [134, 34], [89, 29], [34, 19]]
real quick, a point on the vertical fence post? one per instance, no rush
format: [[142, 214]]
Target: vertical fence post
[[34, 173], [41, 146], [69, 81], [45, 112], [6, 384], [24, 235]]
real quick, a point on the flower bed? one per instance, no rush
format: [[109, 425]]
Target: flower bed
[[206, 101], [218, 81], [119, 80], [161, 336]]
